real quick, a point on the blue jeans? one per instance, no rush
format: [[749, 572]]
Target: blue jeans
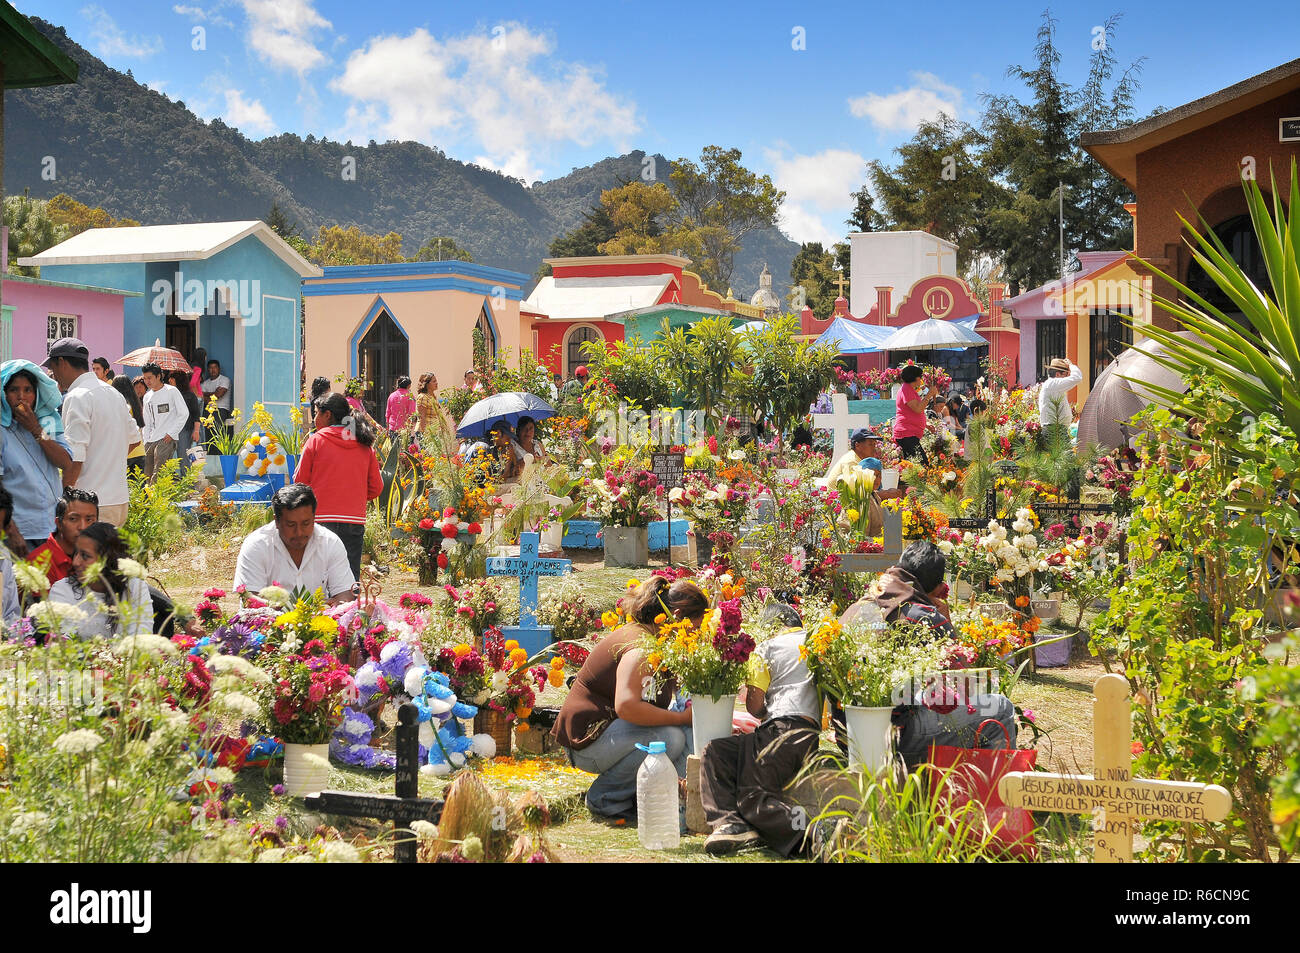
[[923, 727], [615, 757]]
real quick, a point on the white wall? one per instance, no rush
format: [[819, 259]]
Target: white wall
[[896, 259]]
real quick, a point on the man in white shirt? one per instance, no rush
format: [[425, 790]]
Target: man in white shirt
[[165, 416], [217, 385], [293, 552], [1053, 406], [98, 426]]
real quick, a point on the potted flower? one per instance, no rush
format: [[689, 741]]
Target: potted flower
[[626, 502], [500, 679], [867, 670], [708, 662], [303, 701], [225, 441]]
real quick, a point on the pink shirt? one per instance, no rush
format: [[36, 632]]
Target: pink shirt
[[908, 422], [400, 407]]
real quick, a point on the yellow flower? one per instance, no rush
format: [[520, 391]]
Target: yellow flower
[[609, 619], [852, 515], [556, 677], [557, 662], [462, 649], [518, 657], [325, 626], [632, 583], [511, 645]]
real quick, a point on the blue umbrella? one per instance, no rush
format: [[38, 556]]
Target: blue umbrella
[[509, 406]]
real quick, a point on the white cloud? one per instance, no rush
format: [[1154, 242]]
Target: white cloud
[[247, 115], [157, 85], [500, 90], [817, 188], [283, 31], [905, 109], [516, 165], [202, 15], [111, 41]]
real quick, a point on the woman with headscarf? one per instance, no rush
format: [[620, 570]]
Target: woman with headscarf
[[34, 451]]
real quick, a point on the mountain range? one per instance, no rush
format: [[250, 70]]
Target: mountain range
[[132, 151]]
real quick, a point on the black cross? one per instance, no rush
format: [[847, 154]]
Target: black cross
[[402, 807]]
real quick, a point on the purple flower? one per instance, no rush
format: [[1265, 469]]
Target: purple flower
[[281, 822], [227, 792], [277, 789]]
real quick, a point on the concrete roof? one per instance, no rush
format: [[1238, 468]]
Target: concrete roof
[[574, 299], [194, 242], [1118, 149], [46, 283]]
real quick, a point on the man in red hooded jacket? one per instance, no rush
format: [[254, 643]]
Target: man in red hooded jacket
[[339, 464]]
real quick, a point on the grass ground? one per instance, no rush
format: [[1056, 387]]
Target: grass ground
[[1061, 699]]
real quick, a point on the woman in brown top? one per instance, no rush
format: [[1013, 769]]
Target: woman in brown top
[[611, 709]]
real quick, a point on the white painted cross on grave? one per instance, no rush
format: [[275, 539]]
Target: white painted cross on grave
[[841, 423], [1120, 801]]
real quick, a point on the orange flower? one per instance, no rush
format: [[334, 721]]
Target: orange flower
[[556, 677], [1022, 601]]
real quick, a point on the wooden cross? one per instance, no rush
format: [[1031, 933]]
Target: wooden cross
[[1121, 801], [840, 422], [937, 255], [402, 807], [841, 282], [527, 566]]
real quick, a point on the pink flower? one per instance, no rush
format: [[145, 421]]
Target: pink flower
[[1030, 716]]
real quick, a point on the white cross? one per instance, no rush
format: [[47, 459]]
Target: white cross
[[840, 422]]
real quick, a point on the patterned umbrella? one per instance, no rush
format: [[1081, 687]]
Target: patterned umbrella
[[167, 358]]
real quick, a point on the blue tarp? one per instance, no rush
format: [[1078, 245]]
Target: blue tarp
[[853, 337]]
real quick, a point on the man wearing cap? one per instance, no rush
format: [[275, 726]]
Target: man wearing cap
[[579, 382], [1053, 407], [865, 443], [98, 426]]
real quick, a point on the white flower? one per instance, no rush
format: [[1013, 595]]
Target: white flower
[[290, 645], [736, 455], [29, 821], [588, 463], [676, 494], [275, 595], [423, 830], [339, 852], [484, 745], [448, 545], [30, 578], [237, 665], [131, 569], [146, 642], [500, 682], [950, 475], [414, 681], [945, 547], [77, 742], [368, 676], [239, 704], [57, 615]]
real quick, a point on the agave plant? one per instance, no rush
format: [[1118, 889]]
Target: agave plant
[[1257, 369]]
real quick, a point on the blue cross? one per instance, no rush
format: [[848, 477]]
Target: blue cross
[[528, 566]]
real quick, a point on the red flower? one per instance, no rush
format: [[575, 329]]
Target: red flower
[[448, 513], [449, 530], [283, 712], [1137, 748], [475, 528], [426, 523], [442, 560]]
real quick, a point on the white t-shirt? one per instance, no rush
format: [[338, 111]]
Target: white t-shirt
[[792, 692], [165, 413], [264, 560], [99, 428], [211, 385], [1053, 407], [135, 609]]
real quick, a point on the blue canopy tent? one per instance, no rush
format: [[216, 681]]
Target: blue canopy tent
[[854, 337]]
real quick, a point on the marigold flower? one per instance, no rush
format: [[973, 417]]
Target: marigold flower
[[1022, 601]]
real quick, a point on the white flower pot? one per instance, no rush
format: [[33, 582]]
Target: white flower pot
[[711, 719], [627, 546], [306, 768], [552, 538], [871, 737], [889, 479]]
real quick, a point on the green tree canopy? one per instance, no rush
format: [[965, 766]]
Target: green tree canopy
[[442, 248]]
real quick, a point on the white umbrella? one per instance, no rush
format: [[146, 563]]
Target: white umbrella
[[932, 333]]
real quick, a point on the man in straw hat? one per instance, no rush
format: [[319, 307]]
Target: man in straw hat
[[1053, 407]]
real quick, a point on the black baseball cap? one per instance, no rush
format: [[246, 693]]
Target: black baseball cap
[[68, 347]]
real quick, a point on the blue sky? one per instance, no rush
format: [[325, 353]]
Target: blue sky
[[808, 92]]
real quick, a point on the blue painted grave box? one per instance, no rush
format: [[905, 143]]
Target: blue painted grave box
[[248, 491], [658, 538], [581, 534]]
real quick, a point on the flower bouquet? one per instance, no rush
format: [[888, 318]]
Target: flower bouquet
[[706, 661], [475, 606], [626, 497], [869, 668]]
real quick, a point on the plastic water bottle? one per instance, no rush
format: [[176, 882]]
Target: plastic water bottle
[[658, 824]]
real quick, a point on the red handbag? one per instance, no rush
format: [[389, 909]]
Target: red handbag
[[961, 775]]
